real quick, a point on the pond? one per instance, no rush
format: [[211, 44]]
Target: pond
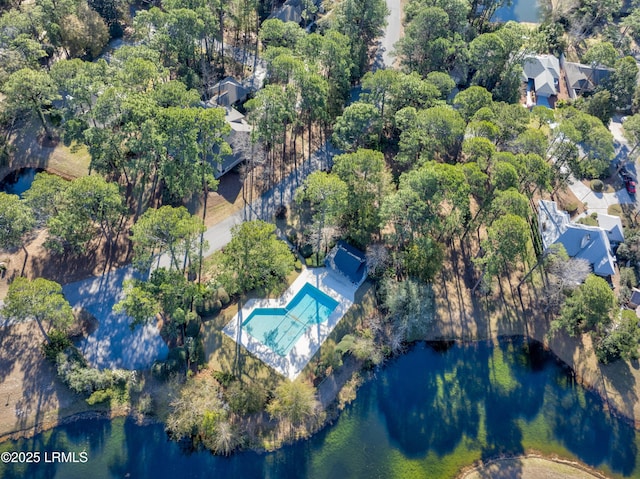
[[426, 414], [19, 181], [520, 11]]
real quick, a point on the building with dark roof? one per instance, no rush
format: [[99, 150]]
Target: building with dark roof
[[349, 262], [634, 300], [242, 147], [227, 92], [581, 79], [291, 11]]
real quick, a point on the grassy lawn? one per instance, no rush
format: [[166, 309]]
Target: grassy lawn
[[29, 149], [626, 212]]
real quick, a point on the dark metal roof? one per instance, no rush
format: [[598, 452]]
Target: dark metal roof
[[349, 261]]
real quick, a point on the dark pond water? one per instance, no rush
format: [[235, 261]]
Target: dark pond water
[[19, 181], [520, 11], [426, 415]]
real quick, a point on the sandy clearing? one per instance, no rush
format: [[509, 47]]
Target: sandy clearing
[[531, 468]]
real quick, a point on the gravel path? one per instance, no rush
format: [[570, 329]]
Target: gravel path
[[391, 33]]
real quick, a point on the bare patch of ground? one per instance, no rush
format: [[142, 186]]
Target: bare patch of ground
[[30, 392], [38, 262], [567, 201], [532, 467]]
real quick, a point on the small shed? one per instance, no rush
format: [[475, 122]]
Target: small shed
[[349, 262]]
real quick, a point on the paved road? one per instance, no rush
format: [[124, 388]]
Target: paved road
[[385, 58], [264, 208]]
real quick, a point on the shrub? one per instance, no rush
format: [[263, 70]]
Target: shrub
[[173, 365], [314, 261], [223, 377], [100, 396], [178, 354], [145, 404], [588, 220], [620, 340], [193, 327], [597, 185], [292, 236], [306, 251], [207, 307], [87, 380], [281, 212], [245, 399], [81, 379], [628, 277], [297, 265], [59, 342], [572, 207], [223, 296], [159, 369], [615, 210]]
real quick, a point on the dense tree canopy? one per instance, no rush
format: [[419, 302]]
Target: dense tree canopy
[[368, 182], [16, 219], [255, 257], [589, 308], [166, 294], [166, 230]]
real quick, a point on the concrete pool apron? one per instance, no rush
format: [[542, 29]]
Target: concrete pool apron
[[293, 362]]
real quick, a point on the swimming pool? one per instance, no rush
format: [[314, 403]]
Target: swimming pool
[[280, 328]]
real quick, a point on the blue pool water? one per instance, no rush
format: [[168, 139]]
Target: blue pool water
[[280, 328]]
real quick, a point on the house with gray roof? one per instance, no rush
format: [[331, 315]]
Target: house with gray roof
[[612, 226], [580, 241], [541, 73], [227, 92], [291, 11], [581, 79], [242, 147]]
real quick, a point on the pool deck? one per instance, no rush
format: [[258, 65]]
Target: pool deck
[[293, 363]]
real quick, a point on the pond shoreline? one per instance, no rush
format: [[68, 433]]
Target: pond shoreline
[[36, 429], [335, 408]]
